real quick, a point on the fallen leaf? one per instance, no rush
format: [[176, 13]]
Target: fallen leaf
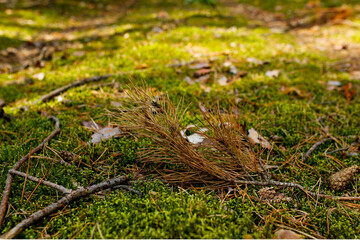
[[272, 73], [199, 65], [349, 94], [287, 234], [79, 53], [202, 72], [189, 80], [292, 90], [331, 85], [105, 134], [195, 138], [142, 66], [39, 76], [255, 137], [223, 81]]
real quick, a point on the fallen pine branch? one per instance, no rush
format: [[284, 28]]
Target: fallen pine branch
[[9, 179], [74, 195]]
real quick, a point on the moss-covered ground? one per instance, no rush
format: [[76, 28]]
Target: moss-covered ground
[[297, 106]]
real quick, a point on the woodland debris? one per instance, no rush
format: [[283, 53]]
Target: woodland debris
[[316, 145], [74, 195], [272, 73], [287, 234], [340, 180], [9, 180], [270, 195], [255, 137], [225, 160], [68, 156], [104, 134]]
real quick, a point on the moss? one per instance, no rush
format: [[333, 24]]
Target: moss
[[133, 41]]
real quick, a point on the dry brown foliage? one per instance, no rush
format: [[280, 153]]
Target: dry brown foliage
[[225, 155]]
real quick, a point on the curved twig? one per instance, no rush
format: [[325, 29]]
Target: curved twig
[[9, 179], [316, 145], [61, 203]]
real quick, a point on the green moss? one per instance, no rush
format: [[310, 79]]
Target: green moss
[[192, 32]]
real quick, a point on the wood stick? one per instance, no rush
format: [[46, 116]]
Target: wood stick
[[62, 189], [316, 145], [61, 203], [84, 81], [9, 179]]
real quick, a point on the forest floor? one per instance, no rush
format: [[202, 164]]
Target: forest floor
[[292, 69]]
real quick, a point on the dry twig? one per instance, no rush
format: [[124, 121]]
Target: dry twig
[[84, 81], [9, 180], [61, 203]]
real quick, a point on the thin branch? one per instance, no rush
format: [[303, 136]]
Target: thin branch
[[62, 189], [61, 203], [337, 150], [9, 179], [84, 81], [316, 145]]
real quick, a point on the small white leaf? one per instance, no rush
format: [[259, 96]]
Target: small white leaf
[[272, 73], [255, 137], [39, 76]]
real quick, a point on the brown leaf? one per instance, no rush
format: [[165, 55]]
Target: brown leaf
[[142, 66], [348, 92], [202, 72], [199, 65], [255, 137]]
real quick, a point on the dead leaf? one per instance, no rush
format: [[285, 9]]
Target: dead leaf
[[255, 137], [292, 90], [331, 85], [348, 92], [104, 134], [202, 72], [223, 81], [79, 53], [272, 73], [199, 65], [189, 80], [39, 76], [142, 66], [287, 234]]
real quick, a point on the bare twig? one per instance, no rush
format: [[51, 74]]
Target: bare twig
[[62, 189], [337, 150], [61, 203], [84, 81], [9, 180], [316, 145]]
